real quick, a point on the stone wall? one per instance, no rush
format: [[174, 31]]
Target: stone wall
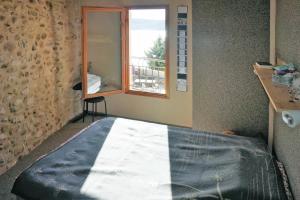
[[39, 63]]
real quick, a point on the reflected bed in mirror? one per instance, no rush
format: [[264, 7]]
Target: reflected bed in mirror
[[94, 83]]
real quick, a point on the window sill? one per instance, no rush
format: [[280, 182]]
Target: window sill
[[147, 94]]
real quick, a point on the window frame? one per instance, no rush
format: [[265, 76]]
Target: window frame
[[127, 67]]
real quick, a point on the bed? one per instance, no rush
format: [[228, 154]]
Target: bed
[[94, 83], [118, 158]]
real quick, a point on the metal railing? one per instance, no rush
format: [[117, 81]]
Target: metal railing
[[147, 75]]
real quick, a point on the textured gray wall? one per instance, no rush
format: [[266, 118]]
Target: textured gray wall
[[288, 31], [287, 140], [229, 36], [287, 147]]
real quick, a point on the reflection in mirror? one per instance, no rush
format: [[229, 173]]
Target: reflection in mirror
[[104, 71]]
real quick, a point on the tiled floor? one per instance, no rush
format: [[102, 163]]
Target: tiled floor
[[7, 179]]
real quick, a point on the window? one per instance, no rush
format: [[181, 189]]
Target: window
[[129, 55], [104, 53], [147, 51]]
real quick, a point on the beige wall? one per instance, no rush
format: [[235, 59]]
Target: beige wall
[[177, 109]]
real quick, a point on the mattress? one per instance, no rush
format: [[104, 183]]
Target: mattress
[[118, 158], [94, 83]]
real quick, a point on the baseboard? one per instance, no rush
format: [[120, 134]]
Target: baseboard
[[79, 116]]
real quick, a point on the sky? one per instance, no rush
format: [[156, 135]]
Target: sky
[[153, 14], [143, 39]]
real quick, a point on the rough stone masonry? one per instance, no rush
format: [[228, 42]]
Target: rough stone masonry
[[39, 63]]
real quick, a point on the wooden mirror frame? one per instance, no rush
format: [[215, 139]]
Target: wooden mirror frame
[[85, 11]]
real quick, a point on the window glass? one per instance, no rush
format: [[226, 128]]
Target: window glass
[[147, 50]]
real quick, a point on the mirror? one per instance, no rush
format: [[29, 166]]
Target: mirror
[[103, 49]]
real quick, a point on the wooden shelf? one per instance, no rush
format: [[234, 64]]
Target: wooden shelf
[[278, 95]]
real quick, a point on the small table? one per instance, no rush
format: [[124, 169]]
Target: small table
[[94, 102]]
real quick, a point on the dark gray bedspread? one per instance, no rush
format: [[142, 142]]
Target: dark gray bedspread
[[117, 158]]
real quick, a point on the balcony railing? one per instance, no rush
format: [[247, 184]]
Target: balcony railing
[[147, 75]]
